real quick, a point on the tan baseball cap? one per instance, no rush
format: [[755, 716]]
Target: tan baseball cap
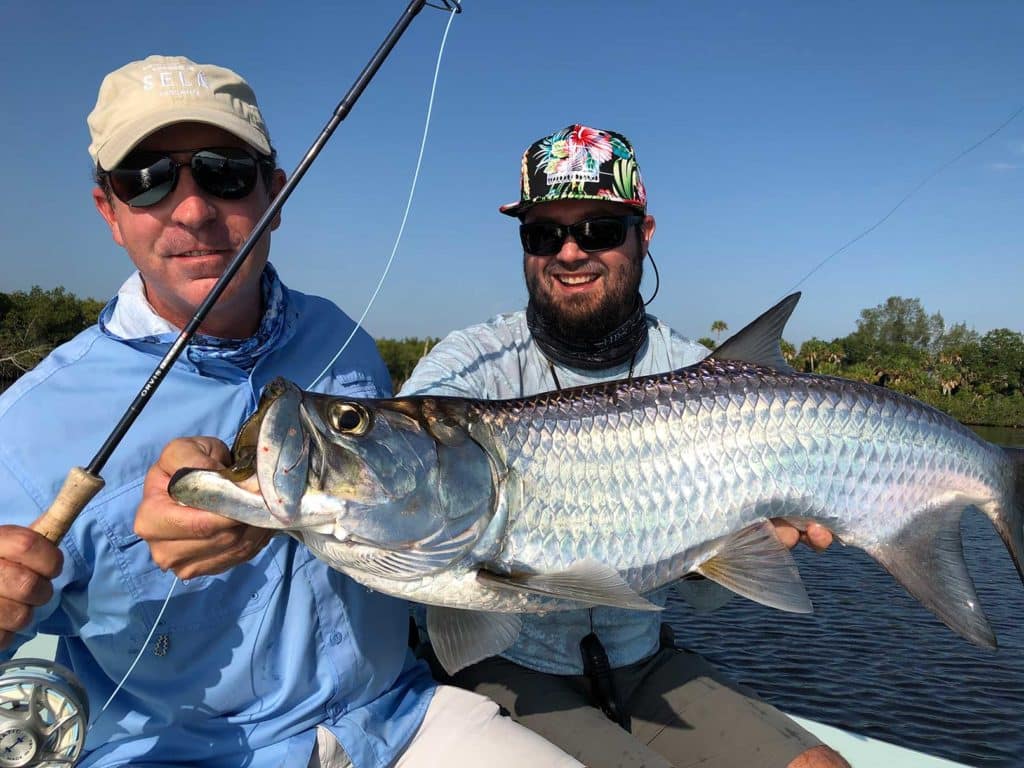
[[144, 96]]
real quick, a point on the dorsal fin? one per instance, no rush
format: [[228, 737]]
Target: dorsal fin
[[759, 342]]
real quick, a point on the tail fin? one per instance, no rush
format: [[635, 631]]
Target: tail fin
[[1009, 519], [927, 558]]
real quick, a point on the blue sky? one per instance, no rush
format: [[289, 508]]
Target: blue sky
[[769, 134]]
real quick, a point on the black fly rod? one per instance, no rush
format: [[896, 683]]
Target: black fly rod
[[82, 484]]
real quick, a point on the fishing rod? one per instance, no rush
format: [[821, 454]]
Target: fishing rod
[[83, 483]]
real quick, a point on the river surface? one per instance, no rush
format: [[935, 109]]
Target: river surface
[[871, 659]]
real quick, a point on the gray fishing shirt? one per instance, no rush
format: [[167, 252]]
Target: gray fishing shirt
[[499, 359]]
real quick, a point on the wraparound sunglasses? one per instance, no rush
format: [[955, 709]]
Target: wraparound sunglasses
[[145, 177], [545, 238]]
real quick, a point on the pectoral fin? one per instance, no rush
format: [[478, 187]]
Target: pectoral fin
[[461, 638], [588, 581], [755, 564]]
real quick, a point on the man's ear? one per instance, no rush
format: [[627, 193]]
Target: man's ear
[[277, 182], [647, 231], [101, 199]]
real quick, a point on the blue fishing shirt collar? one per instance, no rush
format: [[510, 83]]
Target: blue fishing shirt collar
[[130, 317]]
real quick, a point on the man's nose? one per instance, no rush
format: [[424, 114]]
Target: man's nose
[[192, 206], [570, 251]]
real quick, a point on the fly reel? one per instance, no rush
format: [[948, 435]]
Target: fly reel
[[44, 712]]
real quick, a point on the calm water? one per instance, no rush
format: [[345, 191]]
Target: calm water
[[871, 659]]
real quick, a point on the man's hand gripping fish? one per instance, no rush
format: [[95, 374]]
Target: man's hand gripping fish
[[600, 494]]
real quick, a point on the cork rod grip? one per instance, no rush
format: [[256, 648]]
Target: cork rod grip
[[78, 489]]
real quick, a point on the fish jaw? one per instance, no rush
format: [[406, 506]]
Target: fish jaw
[[215, 491]]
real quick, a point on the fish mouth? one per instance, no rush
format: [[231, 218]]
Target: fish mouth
[[275, 442], [244, 449], [269, 470]]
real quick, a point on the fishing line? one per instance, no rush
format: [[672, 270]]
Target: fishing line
[[906, 197], [359, 322], [142, 650], [405, 216]]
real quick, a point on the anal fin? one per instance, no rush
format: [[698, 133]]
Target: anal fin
[[755, 564]]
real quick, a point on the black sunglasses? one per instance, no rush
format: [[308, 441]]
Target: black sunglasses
[[144, 177], [545, 238]]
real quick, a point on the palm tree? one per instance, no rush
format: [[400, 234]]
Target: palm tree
[[788, 351], [812, 351], [718, 327]]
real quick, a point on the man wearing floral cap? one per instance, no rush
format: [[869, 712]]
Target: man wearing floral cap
[[605, 684]]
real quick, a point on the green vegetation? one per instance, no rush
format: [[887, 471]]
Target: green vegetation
[[978, 379], [401, 356], [33, 323]]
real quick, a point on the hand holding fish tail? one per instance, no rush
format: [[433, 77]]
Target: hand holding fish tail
[[192, 542], [815, 536], [28, 561]]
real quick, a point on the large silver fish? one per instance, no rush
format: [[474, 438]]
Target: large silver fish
[[600, 494]]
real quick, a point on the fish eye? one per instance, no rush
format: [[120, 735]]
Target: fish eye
[[349, 418]]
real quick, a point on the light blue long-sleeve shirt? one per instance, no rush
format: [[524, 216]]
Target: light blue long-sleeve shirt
[[499, 359], [244, 665]]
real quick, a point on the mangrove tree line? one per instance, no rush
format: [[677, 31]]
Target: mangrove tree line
[[977, 378]]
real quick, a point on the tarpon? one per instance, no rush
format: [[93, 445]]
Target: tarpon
[[598, 495]]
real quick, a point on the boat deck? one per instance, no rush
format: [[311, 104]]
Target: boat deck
[[859, 751]]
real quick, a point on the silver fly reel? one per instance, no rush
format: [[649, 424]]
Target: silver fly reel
[[44, 713]]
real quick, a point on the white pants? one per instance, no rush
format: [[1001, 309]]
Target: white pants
[[460, 730]]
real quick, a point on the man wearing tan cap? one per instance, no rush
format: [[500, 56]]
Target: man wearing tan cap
[[260, 655], [606, 684]]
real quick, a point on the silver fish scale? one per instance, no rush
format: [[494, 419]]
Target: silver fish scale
[[625, 472]]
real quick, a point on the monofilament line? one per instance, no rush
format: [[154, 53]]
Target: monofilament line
[[405, 216], [142, 650], [905, 198]]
